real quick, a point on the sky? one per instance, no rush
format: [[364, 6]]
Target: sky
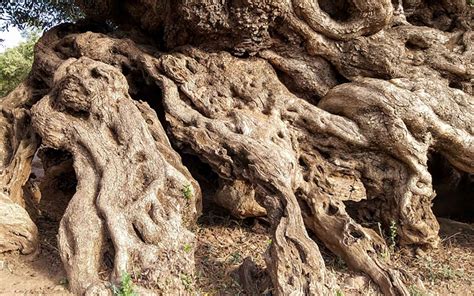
[[11, 38]]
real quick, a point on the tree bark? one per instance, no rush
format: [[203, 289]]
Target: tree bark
[[18, 145], [130, 181], [321, 120]]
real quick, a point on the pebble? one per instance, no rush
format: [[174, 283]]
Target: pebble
[[356, 282], [58, 288], [5, 266]]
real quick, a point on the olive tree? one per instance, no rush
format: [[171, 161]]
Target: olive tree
[[321, 115]]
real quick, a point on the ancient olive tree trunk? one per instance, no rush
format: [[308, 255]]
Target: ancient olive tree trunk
[[275, 134], [319, 114], [130, 182], [18, 145]]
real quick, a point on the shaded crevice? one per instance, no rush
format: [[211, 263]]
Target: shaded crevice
[[289, 82], [454, 190], [443, 15], [201, 172], [51, 185], [47, 194], [338, 10], [141, 90]]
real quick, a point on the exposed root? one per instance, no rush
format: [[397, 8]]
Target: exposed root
[[275, 126]]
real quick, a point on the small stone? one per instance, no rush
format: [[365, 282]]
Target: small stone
[[58, 288], [356, 282]]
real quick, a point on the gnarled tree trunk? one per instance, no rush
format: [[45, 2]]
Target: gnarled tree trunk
[[319, 114]]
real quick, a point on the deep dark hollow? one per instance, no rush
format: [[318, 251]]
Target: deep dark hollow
[[339, 10], [454, 190], [59, 183]]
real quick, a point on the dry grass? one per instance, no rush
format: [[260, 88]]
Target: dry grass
[[224, 242], [448, 270], [222, 245]]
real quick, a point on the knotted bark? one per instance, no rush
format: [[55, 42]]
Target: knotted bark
[[18, 145], [320, 119], [130, 181]]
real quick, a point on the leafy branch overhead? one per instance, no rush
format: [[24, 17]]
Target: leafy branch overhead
[[41, 14]]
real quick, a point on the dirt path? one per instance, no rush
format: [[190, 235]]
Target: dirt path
[[37, 277]]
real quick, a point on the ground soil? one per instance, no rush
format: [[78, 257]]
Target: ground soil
[[224, 243]]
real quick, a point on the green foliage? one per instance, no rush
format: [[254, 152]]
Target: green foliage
[[126, 286], [187, 192], [235, 258], [338, 263], [39, 13], [385, 255], [392, 241], [187, 281], [339, 293], [448, 273], [187, 248], [440, 272], [470, 2], [15, 64]]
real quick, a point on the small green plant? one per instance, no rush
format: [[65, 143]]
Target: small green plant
[[187, 281], [339, 293], [391, 240], [235, 258], [431, 273], [470, 2], [444, 272], [187, 248], [269, 241], [448, 273], [126, 286], [415, 291], [393, 235], [187, 192], [339, 263], [385, 254]]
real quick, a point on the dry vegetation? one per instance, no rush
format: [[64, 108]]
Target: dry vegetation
[[224, 242]]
